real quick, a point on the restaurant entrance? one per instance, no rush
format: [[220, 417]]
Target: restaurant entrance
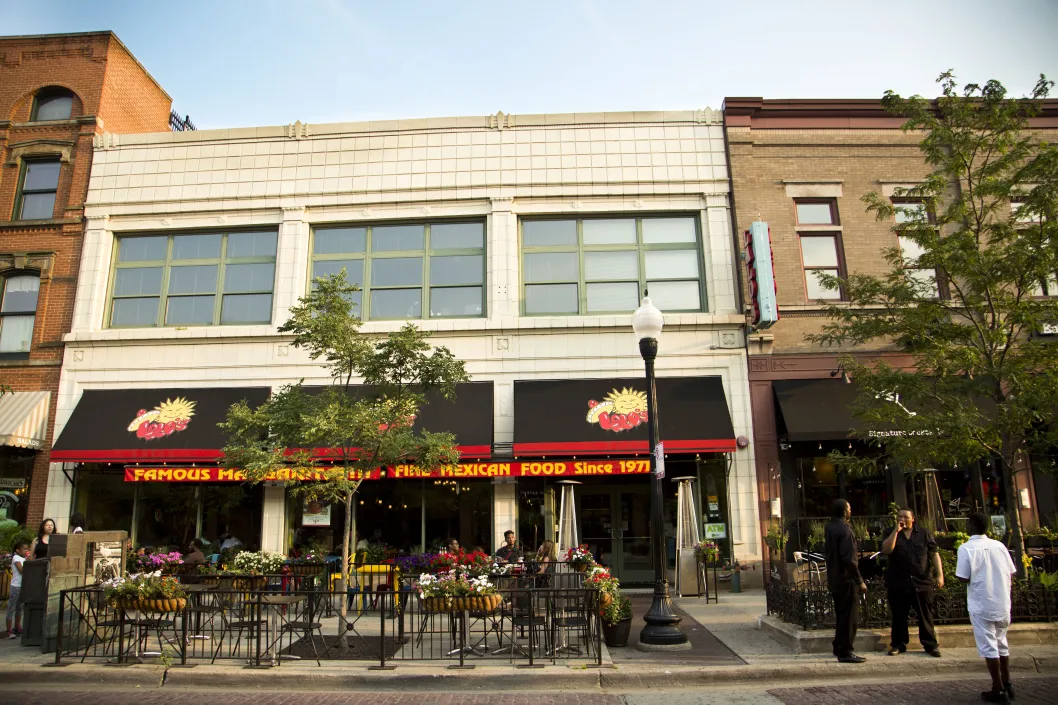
[[615, 523]]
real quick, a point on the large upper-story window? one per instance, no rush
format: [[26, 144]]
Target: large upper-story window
[[193, 279], [407, 270], [914, 213], [52, 104], [18, 309], [603, 265], [819, 232], [36, 190]]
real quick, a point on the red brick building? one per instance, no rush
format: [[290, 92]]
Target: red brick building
[[803, 166], [57, 93]]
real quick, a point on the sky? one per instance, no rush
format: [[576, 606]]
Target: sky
[[237, 63]]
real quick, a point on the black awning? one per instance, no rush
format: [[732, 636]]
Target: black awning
[[816, 409], [604, 416], [468, 416], [118, 425]]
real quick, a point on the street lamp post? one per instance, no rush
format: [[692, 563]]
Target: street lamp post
[[662, 630]]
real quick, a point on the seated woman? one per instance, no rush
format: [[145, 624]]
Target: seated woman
[[546, 557]]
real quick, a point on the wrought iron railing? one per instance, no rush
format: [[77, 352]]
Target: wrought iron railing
[[532, 619], [812, 607], [180, 124]]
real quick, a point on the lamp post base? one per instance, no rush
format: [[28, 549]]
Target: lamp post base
[[662, 626]]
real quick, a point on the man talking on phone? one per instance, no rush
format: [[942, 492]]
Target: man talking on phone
[[911, 550]]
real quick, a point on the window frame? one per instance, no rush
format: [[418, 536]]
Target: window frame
[[938, 280], [839, 253], [51, 92], [425, 255], [14, 314], [835, 219], [639, 247], [21, 192], [222, 262]]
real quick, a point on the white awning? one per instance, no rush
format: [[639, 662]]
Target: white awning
[[24, 419]]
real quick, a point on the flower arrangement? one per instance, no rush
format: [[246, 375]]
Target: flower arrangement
[[416, 563], [707, 551], [148, 591], [154, 562], [456, 592], [609, 587], [617, 611], [579, 556], [257, 563], [312, 555]]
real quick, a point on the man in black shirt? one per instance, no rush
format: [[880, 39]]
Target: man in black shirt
[[911, 549], [843, 578], [509, 552]]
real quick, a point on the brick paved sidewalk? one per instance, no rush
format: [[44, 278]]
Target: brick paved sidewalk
[[934, 692]]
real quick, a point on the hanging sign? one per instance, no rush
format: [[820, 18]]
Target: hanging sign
[[316, 514], [716, 531], [543, 468]]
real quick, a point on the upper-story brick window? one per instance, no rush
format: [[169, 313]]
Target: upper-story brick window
[[603, 265], [38, 184], [819, 231], [193, 279], [407, 270], [915, 213], [18, 309], [52, 104], [1023, 218]]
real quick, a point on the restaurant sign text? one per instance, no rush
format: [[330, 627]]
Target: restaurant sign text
[[543, 468]]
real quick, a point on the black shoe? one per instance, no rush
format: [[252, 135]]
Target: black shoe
[[995, 696], [934, 652], [851, 658], [894, 650], [1009, 687]]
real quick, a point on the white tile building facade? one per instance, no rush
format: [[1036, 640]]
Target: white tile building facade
[[499, 169]]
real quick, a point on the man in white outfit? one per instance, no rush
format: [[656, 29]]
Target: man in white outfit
[[985, 566]]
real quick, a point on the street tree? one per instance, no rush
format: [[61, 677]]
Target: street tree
[[335, 437], [968, 293]]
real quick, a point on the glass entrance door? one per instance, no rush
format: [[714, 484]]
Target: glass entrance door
[[615, 523]]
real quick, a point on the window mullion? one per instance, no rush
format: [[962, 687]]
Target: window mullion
[[218, 301]]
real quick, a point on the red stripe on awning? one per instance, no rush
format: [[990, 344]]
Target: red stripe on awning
[[611, 447], [119, 455]]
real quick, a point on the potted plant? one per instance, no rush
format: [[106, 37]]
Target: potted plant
[[450, 592], [707, 551], [817, 532], [149, 592], [617, 621], [609, 587], [166, 563], [776, 538], [579, 558], [251, 569], [310, 562]]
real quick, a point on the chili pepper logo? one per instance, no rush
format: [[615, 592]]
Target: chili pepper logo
[[167, 418], [619, 410]]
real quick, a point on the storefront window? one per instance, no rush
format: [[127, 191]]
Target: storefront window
[[391, 513], [168, 514], [16, 471], [104, 498]]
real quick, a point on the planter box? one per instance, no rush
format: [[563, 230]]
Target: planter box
[[616, 635]]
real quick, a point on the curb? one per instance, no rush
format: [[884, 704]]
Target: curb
[[493, 679]]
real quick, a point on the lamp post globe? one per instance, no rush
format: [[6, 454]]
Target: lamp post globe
[[662, 630]]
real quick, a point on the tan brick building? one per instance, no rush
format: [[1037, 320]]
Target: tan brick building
[[57, 94], [802, 166]]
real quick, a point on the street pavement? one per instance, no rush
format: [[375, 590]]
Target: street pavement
[[733, 662], [1035, 690]]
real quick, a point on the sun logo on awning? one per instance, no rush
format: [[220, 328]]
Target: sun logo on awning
[[167, 418], [619, 410]]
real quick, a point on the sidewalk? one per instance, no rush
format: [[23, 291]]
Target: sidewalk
[[754, 658]]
